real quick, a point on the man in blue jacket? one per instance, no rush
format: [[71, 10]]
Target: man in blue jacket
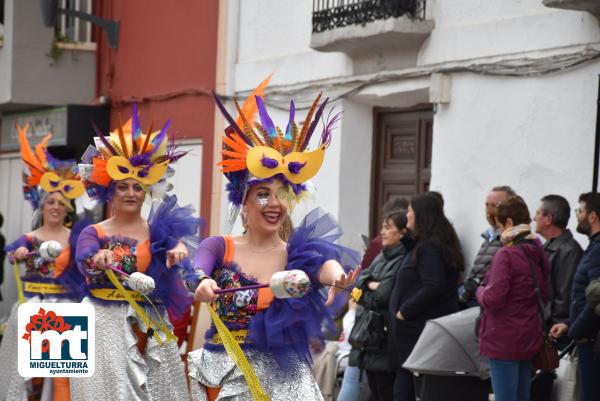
[[584, 323]]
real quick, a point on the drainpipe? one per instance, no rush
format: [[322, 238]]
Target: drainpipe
[[597, 142]]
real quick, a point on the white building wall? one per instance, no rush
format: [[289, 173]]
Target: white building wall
[[274, 36], [535, 134]]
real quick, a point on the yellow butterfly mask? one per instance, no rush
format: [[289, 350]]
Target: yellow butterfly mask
[[71, 189], [120, 168]]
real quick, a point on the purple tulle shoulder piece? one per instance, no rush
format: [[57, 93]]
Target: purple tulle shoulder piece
[[72, 277], [19, 242], [169, 224], [289, 325]]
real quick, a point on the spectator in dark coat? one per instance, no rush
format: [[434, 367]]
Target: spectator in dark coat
[[490, 245], [511, 330], [585, 324], [376, 283], [564, 252], [426, 283]]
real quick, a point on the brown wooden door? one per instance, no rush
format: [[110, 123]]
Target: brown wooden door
[[401, 157]]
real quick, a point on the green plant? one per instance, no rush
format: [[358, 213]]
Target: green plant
[[56, 52]]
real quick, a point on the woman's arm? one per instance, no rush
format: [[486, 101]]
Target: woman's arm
[[89, 257], [18, 249], [176, 255], [209, 254], [332, 273], [379, 296], [432, 272], [493, 294]]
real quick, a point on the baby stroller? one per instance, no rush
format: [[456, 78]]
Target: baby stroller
[[446, 361]]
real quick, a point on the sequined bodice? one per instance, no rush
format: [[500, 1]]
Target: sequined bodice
[[124, 257], [235, 307], [35, 265]]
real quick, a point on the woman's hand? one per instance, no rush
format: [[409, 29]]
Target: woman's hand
[[103, 258], [206, 291], [373, 285], [558, 330], [20, 253], [342, 282], [399, 315], [177, 254]]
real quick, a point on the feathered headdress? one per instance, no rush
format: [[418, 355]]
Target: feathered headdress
[[258, 151], [47, 173], [128, 153]]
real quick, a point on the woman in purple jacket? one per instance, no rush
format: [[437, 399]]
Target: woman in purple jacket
[[511, 329]]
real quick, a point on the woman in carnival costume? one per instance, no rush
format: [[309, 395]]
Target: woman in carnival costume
[[50, 274], [270, 339], [137, 356]]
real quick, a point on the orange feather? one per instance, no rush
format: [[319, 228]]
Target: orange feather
[[122, 139], [147, 139], [26, 153], [40, 150], [249, 109]]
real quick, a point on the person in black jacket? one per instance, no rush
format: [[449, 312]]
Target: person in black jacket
[[551, 219], [584, 325], [376, 283], [425, 286]]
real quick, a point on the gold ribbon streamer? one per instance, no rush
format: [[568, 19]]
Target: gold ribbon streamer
[[237, 356], [140, 312], [19, 284], [44, 288]]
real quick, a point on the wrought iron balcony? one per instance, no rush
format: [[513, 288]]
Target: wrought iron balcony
[[331, 14], [361, 27]]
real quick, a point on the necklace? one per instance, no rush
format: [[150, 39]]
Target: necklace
[[263, 251]]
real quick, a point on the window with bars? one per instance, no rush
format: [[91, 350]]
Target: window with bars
[[71, 29]]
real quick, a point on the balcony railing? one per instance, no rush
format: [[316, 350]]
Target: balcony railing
[[331, 14], [71, 29]]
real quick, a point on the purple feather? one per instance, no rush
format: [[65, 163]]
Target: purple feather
[[329, 127], [288, 129], [230, 120], [234, 194], [268, 162], [265, 120], [135, 123], [172, 153], [313, 125], [158, 139], [295, 167], [140, 160], [107, 144]]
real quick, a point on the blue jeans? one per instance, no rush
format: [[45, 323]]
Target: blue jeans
[[350, 390], [589, 371], [511, 380]]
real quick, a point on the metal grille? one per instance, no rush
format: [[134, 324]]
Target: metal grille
[[331, 14], [73, 29]]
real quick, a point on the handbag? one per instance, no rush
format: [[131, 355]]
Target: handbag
[[368, 330], [546, 359]]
